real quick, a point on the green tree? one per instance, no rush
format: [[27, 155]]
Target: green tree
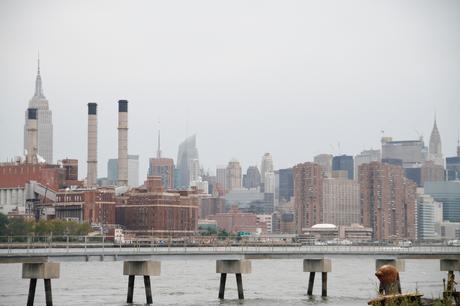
[[17, 227], [3, 225]]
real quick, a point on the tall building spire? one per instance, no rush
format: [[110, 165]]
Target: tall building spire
[[159, 147], [458, 145], [435, 148], [38, 82]]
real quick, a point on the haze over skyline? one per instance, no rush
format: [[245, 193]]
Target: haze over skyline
[[247, 78]]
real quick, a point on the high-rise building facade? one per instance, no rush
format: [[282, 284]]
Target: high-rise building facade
[[221, 180], [269, 182], [435, 147], [308, 193], [286, 185], [44, 121], [163, 167], [429, 217], [266, 164], [252, 178], [453, 165], [233, 179], [343, 162], [341, 205], [448, 193], [388, 201], [187, 152], [133, 171], [431, 172], [410, 152], [325, 161], [365, 157]]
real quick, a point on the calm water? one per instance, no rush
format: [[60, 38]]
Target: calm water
[[272, 282]]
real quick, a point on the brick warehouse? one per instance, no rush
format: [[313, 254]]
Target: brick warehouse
[[151, 211], [95, 206]]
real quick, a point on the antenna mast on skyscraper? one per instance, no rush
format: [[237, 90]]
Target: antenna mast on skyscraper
[[159, 140]]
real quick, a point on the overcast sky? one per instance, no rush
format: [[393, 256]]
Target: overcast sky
[[293, 78]]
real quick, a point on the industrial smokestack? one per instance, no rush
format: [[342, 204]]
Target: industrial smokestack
[[91, 179], [122, 142], [32, 135]]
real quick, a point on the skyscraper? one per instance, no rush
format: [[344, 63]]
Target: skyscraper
[[45, 122], [269, 182], [365, 157], [286, 185], [252, 178], [435, 148], [429, 216], [133, 171], [343, 162], [187, 152], [266, 165], [233, 172], [453, 165], [410, 152], [308, 195], [341, 205], [221, 180], [448, 193], [388, 201], [163, 167], [325, 161]]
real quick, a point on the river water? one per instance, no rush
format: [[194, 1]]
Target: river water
[[194, 282]]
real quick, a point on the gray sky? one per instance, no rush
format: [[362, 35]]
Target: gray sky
[[293, 78]]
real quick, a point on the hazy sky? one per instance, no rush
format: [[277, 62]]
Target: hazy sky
[[293, 78]]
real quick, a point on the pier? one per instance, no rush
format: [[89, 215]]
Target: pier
[[41, 261]]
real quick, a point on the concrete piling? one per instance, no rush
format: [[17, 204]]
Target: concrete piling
[[148, 289], [237, 267], [48, 295], [239, 284], [45, 271], [32, 286], [223, 279], [317, 265], [311, 282], [129, 298], [324, 284], [141, 268]]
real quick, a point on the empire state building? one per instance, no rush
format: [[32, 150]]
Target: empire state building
[[45, 122]]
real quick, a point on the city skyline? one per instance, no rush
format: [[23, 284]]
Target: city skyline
[[314, 97]]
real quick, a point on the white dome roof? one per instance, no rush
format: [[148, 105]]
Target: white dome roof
[[324, 225]]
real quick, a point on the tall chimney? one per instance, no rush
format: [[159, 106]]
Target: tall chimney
[[123, 142], [32, 135], [91, 179]]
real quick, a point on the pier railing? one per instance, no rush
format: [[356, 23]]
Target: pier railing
[[34, 245]]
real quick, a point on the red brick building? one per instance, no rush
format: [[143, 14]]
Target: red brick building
[[151, 211], [13, 175], [95, 206], [211, 206], [388, 201], [235, 221]]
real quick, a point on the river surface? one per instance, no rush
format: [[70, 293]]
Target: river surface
[[194, 282]]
